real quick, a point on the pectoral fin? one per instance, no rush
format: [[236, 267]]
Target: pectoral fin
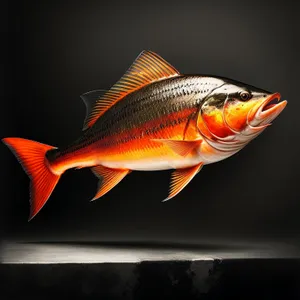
[[181, 147], [180, 178], [110, 178]]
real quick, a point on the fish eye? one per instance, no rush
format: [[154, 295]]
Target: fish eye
[[244, 96]]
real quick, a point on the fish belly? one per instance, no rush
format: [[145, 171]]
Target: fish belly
[[151, 158], [152, 164]]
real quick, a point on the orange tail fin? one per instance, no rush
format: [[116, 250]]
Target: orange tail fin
[[31, 156]]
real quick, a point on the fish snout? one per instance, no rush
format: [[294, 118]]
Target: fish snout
[[269, 109]]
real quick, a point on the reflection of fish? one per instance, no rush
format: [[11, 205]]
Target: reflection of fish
[[153, 118]]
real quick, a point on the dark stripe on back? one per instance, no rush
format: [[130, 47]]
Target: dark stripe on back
[[151, 102]]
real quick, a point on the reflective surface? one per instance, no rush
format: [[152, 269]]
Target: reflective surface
[[96, 252]]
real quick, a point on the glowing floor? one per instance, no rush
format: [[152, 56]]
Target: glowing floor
[[76, 252]]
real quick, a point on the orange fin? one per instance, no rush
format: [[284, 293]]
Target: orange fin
[[181, 147], [110, 178], [180, 178], [31, 156], [147, 68]]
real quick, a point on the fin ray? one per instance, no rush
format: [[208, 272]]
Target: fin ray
[[110, 178], [180, 179], [148, 67], [31, 155]]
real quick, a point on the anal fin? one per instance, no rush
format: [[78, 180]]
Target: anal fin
[[110, 178], [180, 179]]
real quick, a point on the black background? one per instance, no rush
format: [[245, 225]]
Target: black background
[[55, 51]]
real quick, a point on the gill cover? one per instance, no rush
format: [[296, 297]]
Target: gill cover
[[228, 111]]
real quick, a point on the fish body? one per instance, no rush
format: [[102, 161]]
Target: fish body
[[153, 118], [126, 135]]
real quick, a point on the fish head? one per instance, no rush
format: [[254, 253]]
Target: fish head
[[236, 109]]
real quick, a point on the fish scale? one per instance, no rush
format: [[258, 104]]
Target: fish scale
[[141, 109], [153, 118]]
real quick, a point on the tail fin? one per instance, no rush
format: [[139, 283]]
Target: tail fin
[[31, 156]]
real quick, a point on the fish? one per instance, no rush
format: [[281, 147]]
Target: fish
[[153, 118]]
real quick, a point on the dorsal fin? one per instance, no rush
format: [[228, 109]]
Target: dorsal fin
[[90, 98], [148, 67]]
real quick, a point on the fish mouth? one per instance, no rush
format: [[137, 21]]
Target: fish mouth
[[268, 110]]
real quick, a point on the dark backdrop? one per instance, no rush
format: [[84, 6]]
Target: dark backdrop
[[55, 51]]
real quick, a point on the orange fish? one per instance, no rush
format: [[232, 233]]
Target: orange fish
[[153, 118]]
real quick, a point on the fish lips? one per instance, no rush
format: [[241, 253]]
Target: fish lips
[[267, 111]]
